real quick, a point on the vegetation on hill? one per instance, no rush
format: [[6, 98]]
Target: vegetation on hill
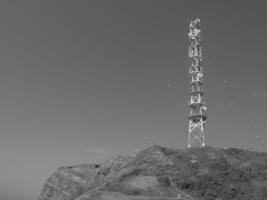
[[161, 173]]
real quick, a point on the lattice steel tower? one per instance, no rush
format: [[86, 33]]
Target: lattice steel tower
[[197, 117]]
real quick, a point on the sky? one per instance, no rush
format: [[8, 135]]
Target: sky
[[82, 81]]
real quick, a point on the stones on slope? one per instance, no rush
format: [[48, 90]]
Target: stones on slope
[[68, 182], [113, 165], [151, 157], [162, 173]]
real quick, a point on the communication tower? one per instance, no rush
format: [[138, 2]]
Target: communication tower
[[197, 117]]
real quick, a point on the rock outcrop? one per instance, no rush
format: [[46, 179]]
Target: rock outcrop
[[158, 173]]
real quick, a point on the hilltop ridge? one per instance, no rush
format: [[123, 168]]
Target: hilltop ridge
[[161, 173]]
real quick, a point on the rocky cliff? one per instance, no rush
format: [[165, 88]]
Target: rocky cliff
[[158, 173]]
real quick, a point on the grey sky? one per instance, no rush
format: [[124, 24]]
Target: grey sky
[[81, 81]]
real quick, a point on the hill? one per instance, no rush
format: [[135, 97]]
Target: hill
[[159, 173]]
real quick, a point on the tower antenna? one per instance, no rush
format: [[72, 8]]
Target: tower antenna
[[197, 117]]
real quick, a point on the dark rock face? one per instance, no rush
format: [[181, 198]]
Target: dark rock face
[[164, 174]]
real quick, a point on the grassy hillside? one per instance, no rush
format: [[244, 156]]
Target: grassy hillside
[[162, 173]]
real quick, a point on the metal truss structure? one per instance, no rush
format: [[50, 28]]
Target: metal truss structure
[[197, 117]]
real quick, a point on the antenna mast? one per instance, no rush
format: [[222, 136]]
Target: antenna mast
[[197, 116]]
